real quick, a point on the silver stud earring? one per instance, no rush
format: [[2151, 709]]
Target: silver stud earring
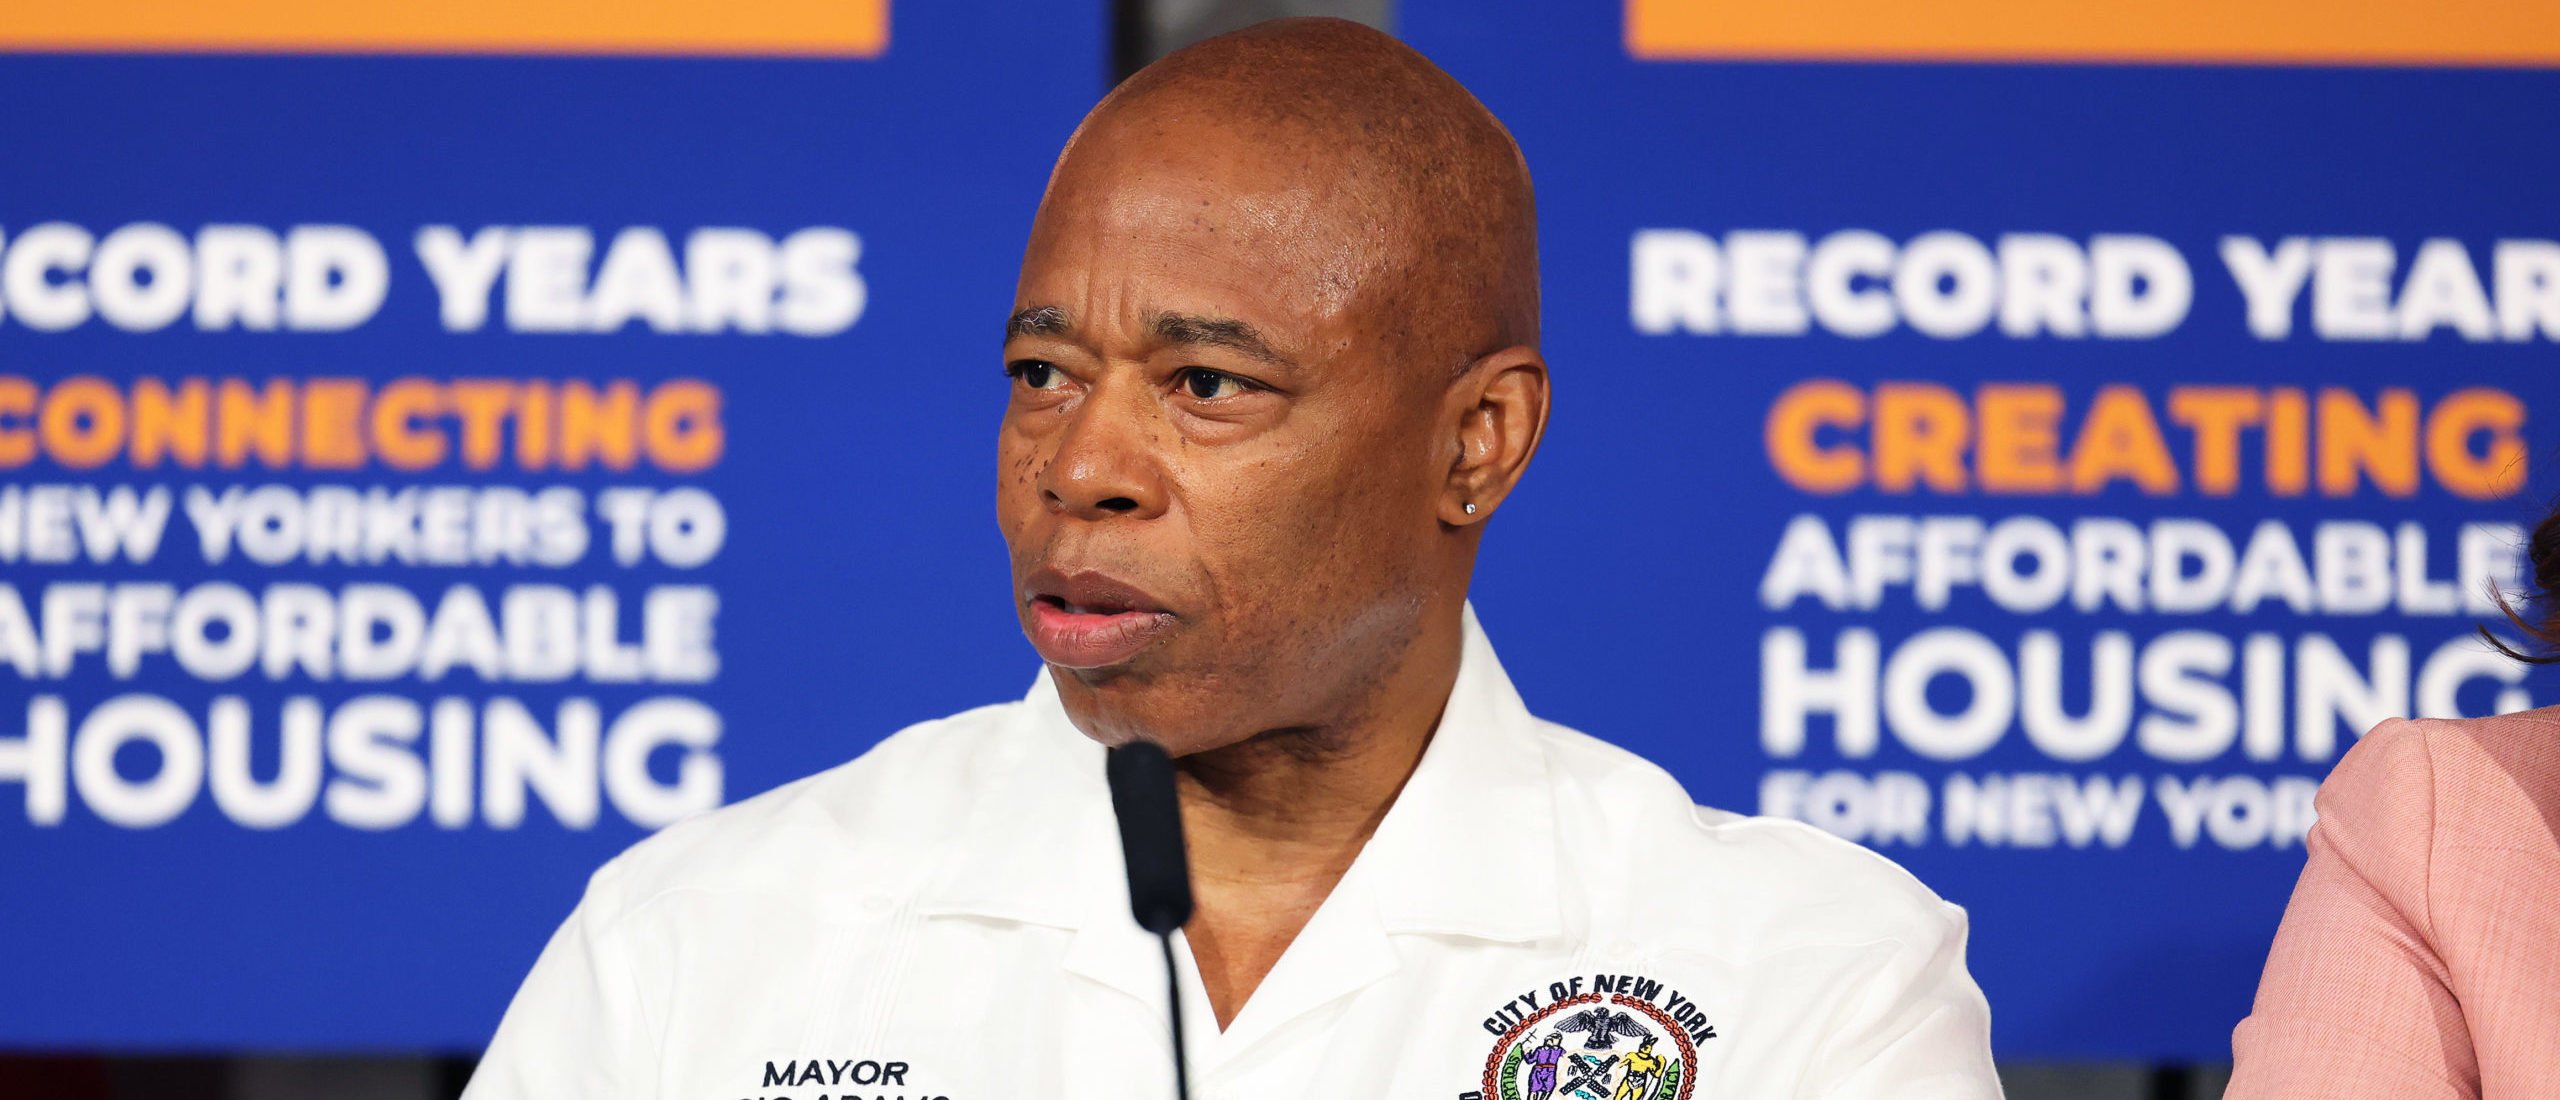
[[1471, 507]]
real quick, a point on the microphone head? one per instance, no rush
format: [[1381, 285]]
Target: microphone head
[[1142, 797]]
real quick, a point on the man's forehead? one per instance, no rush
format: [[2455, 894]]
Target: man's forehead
[[1216, 187], [1197, 249], [1318, 180]]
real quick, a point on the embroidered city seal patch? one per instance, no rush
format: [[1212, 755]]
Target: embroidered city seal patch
[[1608, 1037]]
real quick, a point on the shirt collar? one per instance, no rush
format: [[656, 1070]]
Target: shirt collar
[[1468, 849], [1037, 844]]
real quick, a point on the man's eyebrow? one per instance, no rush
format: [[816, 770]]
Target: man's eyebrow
[[1038, 321], [1185, 328]]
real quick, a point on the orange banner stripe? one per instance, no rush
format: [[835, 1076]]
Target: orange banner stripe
[[813, 28], [2348, 32]]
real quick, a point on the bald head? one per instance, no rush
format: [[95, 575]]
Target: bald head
[[1424, 191], [1275, 362]]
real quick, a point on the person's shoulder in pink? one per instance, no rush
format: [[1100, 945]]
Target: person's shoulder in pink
[[2420, 955]]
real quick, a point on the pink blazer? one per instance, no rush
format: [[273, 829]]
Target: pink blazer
[[2420, 956]]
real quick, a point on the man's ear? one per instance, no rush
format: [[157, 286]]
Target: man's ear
[[1497, 412]]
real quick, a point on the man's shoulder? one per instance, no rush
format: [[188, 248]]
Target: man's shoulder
[[874, 816], [1686, 872]]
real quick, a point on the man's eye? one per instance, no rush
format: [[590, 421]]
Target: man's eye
[[1033, 373], [1209, 385]]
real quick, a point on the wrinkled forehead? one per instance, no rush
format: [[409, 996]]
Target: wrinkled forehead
[[1188, 197]]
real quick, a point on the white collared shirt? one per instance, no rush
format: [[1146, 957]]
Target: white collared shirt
[[947, 917]]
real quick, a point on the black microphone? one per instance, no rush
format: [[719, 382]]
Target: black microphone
[[1142, 797]]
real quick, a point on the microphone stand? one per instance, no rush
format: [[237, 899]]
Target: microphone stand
[[1140, 775], [1173, 1003]]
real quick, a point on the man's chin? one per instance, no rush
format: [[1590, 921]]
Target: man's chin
[[1127, 677], [1121, 704]]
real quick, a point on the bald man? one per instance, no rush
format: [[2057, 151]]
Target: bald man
[[1274, 367]]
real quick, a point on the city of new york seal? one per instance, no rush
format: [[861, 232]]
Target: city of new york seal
[[1594, 1046]]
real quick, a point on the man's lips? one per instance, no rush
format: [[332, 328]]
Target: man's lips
[[1090, 620]]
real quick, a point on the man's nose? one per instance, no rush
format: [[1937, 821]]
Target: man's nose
[[1106, 462]]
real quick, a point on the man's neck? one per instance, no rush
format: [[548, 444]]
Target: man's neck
[[1273, 822]]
